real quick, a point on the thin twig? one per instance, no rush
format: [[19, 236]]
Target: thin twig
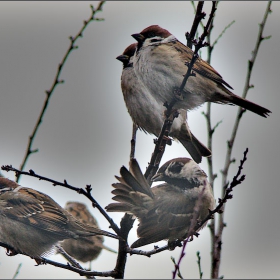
[[81, 272], [67, 266], [133, 140], [222, 33], [170, 113], [161, 142], [72, 46], [17, 271], [199, 264], [216, 257], [178, 272], [199, 15]]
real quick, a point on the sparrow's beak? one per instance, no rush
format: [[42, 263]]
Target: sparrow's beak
[[157, 177], [138, 37], [123, 58]]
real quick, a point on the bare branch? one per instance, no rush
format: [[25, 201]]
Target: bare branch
[[72, 46], [222, 33], [133, 140], [199, 15], [17, 271], [199, 264]]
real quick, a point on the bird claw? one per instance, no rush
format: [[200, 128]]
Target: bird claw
[[168, 140], [11, 252], [173, 244], [178, 95]]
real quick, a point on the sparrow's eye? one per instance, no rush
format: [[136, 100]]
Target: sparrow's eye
[[155, 40], [176, 167]]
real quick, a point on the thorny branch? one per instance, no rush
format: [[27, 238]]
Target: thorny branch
[[72, 46]]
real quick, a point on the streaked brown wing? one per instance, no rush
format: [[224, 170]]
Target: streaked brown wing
[[200, 66], [35, 209], [171, 212], [169, 199]]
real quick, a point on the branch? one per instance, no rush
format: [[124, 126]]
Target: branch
[[247, 86], [161, 142], [222, 33], [199, 15], [198, 45], [81, 272], [126, 225], [199, 264], [195, 224], [133, 140], [218, 237], [17, 271], [86, 192], [72, 46], [171, 114]]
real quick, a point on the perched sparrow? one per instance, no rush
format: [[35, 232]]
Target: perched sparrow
[[165, 211], [86, 248], [148, 113], [160, 63], [31, 222]]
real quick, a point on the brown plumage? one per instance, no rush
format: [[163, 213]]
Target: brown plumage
[[148, 113], [31, 222], [166, 210], [160, 63], [86, 248]]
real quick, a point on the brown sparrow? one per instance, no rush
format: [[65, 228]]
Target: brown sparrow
[[165, 211], [148, 113], [31, 222], [86, 248], [160, 62]]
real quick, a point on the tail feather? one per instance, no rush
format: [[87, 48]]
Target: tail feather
[[118, 207], [108, 249], [253, 107], [91, 231], [195, 148]]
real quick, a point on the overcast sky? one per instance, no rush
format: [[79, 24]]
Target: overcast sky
[[85, 135]]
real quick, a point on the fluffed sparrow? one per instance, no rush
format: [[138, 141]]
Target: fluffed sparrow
[[165, 211], [86, 248], [147, 112], [31, 222], [160, 63]]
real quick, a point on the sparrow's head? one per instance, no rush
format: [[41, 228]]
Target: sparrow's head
[[80, 211], [7, 185], [127, 54], [153, 34], [182, 172]]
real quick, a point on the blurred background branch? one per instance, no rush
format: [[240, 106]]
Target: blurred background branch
[[29, 150]]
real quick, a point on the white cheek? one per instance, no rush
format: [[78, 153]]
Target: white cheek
[[189, 169]]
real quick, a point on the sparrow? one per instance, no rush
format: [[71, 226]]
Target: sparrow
[[32, 223], [165, 211], [83, 249], [147, 112], [161, 61]]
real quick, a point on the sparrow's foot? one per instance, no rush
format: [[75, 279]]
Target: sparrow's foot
[[178, 94], [168, 140], [11, 252], [39, 261], [173, 244]]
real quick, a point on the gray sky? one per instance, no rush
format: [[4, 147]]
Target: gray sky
[[85, 135]]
